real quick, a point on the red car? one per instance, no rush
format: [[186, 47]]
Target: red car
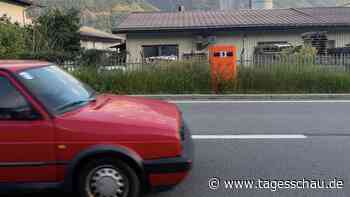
[[58, 132]]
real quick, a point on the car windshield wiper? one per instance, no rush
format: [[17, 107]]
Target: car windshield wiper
[[75, 103]]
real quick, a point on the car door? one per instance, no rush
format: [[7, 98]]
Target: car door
[[26, 137]]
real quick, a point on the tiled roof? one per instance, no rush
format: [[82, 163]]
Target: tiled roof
[[95, 33], [236, 18]]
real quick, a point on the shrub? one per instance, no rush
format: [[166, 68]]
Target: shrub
[[12, 39], [54, 36], [93, 57]]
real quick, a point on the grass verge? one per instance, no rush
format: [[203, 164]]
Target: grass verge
[[189, 77]]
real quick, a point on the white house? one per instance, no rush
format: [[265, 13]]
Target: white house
[[189, 33]]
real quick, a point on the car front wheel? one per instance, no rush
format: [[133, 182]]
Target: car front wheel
[[108, 178]]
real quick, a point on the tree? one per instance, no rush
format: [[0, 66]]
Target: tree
[[12, 39], [57, 31], [54, 36]]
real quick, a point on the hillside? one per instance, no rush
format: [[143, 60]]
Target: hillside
[[104, 14], [304, 3], [214, 4], [170, 4], [101, 14]]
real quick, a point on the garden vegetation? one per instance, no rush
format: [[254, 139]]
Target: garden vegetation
[[193, 77], [53, 36]]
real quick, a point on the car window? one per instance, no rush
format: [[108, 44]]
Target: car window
[[55, 89], [12, 101]]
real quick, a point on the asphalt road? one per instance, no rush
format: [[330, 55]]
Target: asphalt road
[[320, 150]]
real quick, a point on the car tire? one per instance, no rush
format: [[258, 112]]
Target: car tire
[[108, 177]]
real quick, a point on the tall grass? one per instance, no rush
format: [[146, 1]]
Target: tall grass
[[293, 79], [189, 77], [169, 78]]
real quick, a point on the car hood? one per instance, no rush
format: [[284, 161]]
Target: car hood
[[127, 115]]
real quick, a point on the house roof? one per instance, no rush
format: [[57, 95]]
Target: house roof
[[22, 2], [249, 18], [89, 32]]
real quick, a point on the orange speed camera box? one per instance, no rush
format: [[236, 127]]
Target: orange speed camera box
[[223, 60]]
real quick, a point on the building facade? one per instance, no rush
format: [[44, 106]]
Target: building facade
[[186, 44], [245, 29], [15, 10]]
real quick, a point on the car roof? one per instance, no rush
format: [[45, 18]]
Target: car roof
[[18, 65]]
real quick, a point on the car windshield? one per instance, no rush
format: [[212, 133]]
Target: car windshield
[[56, 89]]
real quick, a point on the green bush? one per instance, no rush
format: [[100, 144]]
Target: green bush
[[12, 39], [93, 57], [53, 36]]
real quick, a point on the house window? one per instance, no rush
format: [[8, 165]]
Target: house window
[[192, 55], [160, 51], [272, 47]]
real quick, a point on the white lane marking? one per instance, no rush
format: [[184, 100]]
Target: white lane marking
[[263, 101], [219, 137]]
